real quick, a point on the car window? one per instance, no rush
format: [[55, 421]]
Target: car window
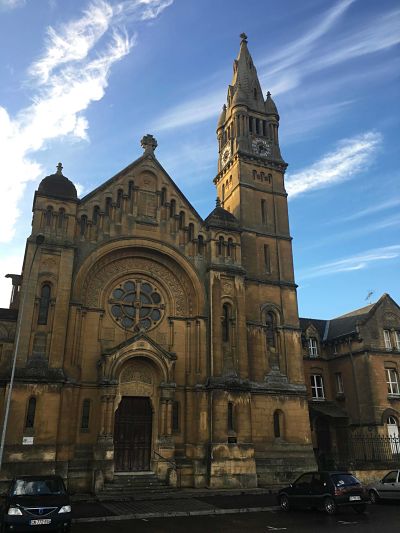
[[318, 481], [390, 478], [344, 480], [24, 487], [305, 479]]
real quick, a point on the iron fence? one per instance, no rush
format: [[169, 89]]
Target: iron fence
[[364, 451]]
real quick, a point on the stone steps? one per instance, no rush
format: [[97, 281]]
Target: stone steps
[[129, 486]]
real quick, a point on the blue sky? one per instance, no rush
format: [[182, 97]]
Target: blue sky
[[81, 82]]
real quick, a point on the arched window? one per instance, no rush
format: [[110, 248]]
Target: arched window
[[85, 414], [130, 189], [229, 248], [220, 246], [119, 197], [83, 224], [172, 208], [96, 212], [270, 329], [263, 212], [223, 191], [200, 244], [277, 424], [49, 215], [175, 417], [107, 209], [163, 197], [231, 421], [61, 215], [44, 304], [181, 220], [226, 315], [191, 232], [30, 413]]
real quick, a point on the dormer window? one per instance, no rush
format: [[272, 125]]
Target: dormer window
[[387, 338], [312, 347]]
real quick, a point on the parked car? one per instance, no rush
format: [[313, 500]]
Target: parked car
[[36, 503], [325, 490], [388, 488]]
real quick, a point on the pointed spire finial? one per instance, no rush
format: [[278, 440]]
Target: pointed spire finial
[[59, 169], [218, 202], [243, 36], [268, 94], [149, 144]]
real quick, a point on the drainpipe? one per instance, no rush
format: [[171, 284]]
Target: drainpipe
[[39, 240], [355, 381]]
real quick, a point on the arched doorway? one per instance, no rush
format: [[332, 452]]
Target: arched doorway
[[393, 434], [132, 434]]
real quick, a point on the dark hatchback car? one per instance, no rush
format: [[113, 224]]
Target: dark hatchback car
[[36, 503], [325, 490]]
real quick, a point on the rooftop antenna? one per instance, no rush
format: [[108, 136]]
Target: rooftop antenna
[[368, 298]]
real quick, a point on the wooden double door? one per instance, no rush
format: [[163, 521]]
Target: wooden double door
[[132, 434]]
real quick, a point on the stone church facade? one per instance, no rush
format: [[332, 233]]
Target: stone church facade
[[153, 340]]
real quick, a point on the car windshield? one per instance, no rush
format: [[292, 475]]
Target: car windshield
[[25, 487], [343, 480]]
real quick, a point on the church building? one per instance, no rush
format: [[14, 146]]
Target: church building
[[150, 340]]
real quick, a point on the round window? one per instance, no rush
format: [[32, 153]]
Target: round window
[[136, 305]]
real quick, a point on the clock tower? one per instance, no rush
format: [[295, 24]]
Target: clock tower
[[250, 179]]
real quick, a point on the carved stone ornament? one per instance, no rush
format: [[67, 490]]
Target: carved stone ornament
[[99, 277], [132, 374]]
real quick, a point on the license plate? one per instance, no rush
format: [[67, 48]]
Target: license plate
[[355, 498], [40, 522]]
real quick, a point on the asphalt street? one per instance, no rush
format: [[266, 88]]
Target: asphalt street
[[383, 518]]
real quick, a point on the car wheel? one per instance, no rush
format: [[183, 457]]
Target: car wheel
[[360, 509], [373, 496], [284, 502], [330, 505]]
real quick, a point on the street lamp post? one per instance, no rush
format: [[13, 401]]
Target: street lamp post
[[39, 240]]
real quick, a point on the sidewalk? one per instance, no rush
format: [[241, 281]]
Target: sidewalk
[[179, 503]]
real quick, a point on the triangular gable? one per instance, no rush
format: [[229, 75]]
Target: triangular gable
[[145, 158], [135, 341]]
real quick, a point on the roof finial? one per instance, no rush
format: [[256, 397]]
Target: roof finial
[[218, 202], [243, 36], [149, 144], [59, 169], [268, 94]]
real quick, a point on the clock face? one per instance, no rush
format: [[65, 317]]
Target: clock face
[[261, 147], [226, 154]]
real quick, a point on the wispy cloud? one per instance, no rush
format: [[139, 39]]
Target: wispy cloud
[[350, 157], [355, 262], [71, 73], [286, 68], [11, 4], [371, 210]]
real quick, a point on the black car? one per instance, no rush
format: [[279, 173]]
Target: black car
[[325, 490], [39, 503]]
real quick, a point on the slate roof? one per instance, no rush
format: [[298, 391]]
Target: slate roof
[[58, 186], [340, 326], [222, 218]]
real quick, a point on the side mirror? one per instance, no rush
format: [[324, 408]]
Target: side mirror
[[291, 485]]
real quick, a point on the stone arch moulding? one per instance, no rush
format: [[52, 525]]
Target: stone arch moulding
[[127, 256], [265, 308], [139, 347], [389, 412]]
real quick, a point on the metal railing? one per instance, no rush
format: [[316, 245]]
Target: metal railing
[[364, 451]]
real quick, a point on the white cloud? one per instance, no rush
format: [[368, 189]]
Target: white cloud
[[355, 262], [11, 4], [351, 157], [71, 73]]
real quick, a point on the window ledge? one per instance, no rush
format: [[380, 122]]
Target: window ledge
[[394, 396], [318, 399], [340, 396]]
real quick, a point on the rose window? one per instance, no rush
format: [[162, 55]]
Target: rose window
[[136, 304]]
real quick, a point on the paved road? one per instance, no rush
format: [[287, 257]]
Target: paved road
[[383, 518]]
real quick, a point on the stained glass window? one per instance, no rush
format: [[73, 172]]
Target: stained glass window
[[136, 305]]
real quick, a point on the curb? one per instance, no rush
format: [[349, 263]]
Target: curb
[[173, 514]]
